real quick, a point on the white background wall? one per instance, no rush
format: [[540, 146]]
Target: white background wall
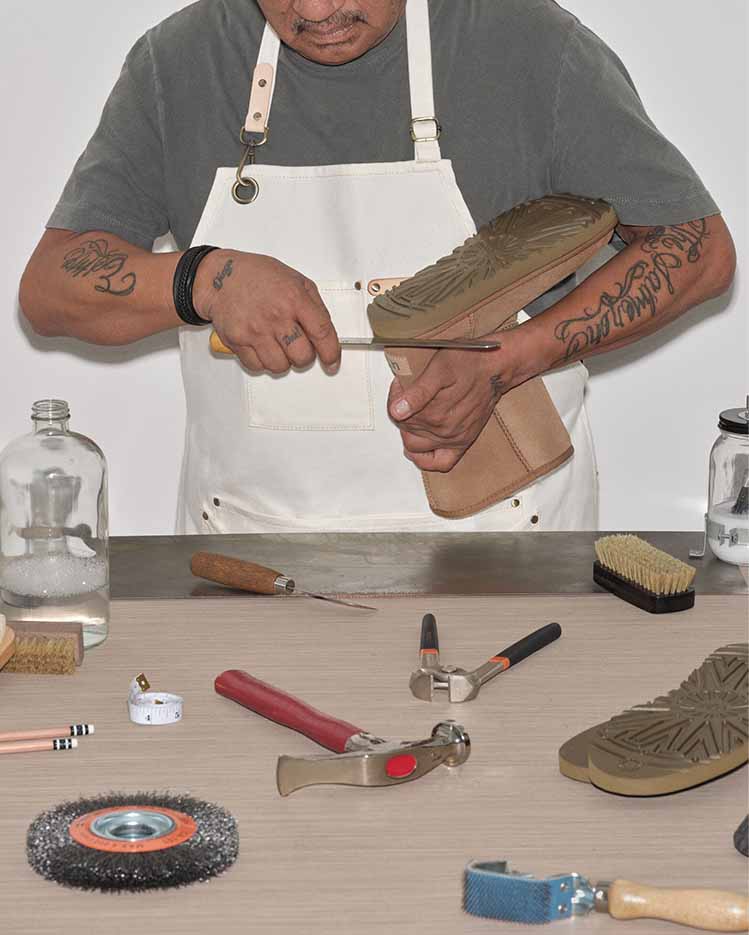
[[654, 406]]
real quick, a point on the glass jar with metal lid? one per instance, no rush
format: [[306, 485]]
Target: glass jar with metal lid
[[727, 517]]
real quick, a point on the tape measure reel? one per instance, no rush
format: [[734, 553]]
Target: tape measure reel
[[152, 708]]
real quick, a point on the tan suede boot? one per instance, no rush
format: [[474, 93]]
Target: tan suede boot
[[476, 290]]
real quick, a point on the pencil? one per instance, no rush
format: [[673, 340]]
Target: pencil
[[34, 746], [49, 733]]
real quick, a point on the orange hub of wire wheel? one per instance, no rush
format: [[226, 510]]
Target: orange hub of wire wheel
[[131, 829]]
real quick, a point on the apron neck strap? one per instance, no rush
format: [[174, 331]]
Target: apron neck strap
[[425, 128]]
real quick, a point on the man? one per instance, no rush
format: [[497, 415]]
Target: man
[[342, 179]]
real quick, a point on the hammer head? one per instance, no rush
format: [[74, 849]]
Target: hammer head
[[378, 763]]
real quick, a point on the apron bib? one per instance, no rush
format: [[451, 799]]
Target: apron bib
[[308, 452]]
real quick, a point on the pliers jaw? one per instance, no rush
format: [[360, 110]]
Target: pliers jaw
[[422, 681], [462, 684], [459, 684]]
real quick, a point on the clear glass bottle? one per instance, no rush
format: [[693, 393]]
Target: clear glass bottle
[[54, 538], [727, 518]]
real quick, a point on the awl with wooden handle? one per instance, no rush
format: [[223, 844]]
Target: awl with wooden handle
[[247, 576]]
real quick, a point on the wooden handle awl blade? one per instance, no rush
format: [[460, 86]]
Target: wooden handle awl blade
[[235, 573]]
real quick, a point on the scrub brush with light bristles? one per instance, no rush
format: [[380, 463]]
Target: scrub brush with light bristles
[[40, 655], [637, 572], [40, 647]]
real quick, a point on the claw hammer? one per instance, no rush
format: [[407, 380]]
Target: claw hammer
[[460, 684], [359, 758]]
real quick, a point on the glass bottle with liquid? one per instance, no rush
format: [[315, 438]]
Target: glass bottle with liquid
[[54, 539], [727, 517]]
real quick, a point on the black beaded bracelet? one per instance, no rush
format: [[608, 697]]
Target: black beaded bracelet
[[184, 280]]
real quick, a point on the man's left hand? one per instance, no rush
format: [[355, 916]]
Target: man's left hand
[[442, 413]]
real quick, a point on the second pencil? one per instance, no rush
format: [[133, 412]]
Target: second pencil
[[38, 746]]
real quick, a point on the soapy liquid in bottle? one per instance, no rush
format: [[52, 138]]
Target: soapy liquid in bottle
[[62, 588]]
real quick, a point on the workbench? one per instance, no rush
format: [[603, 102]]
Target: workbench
[[359, 860]]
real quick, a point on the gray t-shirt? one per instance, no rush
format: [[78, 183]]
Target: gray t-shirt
[[530, 100]]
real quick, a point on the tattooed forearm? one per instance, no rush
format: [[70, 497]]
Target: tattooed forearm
[[664, 250], [290, 338], [95, 258], [218, 279]]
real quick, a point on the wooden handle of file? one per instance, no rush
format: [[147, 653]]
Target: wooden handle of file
[[218, 346], [712, 910], [234, 573]]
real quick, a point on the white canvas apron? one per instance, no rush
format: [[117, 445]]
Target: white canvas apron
[[310, 452]]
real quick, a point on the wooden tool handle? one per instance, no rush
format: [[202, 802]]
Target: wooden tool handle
[[234, 573], [285, 709], [713, 910], [218, 346]]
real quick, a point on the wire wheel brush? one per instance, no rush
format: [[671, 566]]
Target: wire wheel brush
[[121, 842]]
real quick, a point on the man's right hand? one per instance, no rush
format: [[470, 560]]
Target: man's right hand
[[268, 314]]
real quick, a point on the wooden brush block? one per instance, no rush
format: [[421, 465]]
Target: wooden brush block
[[7, 646], [52, 630]]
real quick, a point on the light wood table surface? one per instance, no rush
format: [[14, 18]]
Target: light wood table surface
[[352, 860]]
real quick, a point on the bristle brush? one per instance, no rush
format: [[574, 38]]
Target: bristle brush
[[41, 647], [637, 572], [491, 890]]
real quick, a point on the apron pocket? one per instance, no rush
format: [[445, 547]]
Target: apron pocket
[[311, 400]]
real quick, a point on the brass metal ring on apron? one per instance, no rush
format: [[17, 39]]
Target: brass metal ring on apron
[[246, 189], [245, 183]]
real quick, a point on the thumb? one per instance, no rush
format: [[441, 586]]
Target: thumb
[[421, 392]]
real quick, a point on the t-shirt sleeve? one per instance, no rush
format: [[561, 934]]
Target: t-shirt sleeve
[[606, 146], [117, 184]]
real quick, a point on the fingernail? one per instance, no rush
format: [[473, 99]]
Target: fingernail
[[401, 408], [333, 368]]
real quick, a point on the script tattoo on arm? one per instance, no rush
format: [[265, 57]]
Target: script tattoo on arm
[[218, 279], [664, 250], [95, 258]]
